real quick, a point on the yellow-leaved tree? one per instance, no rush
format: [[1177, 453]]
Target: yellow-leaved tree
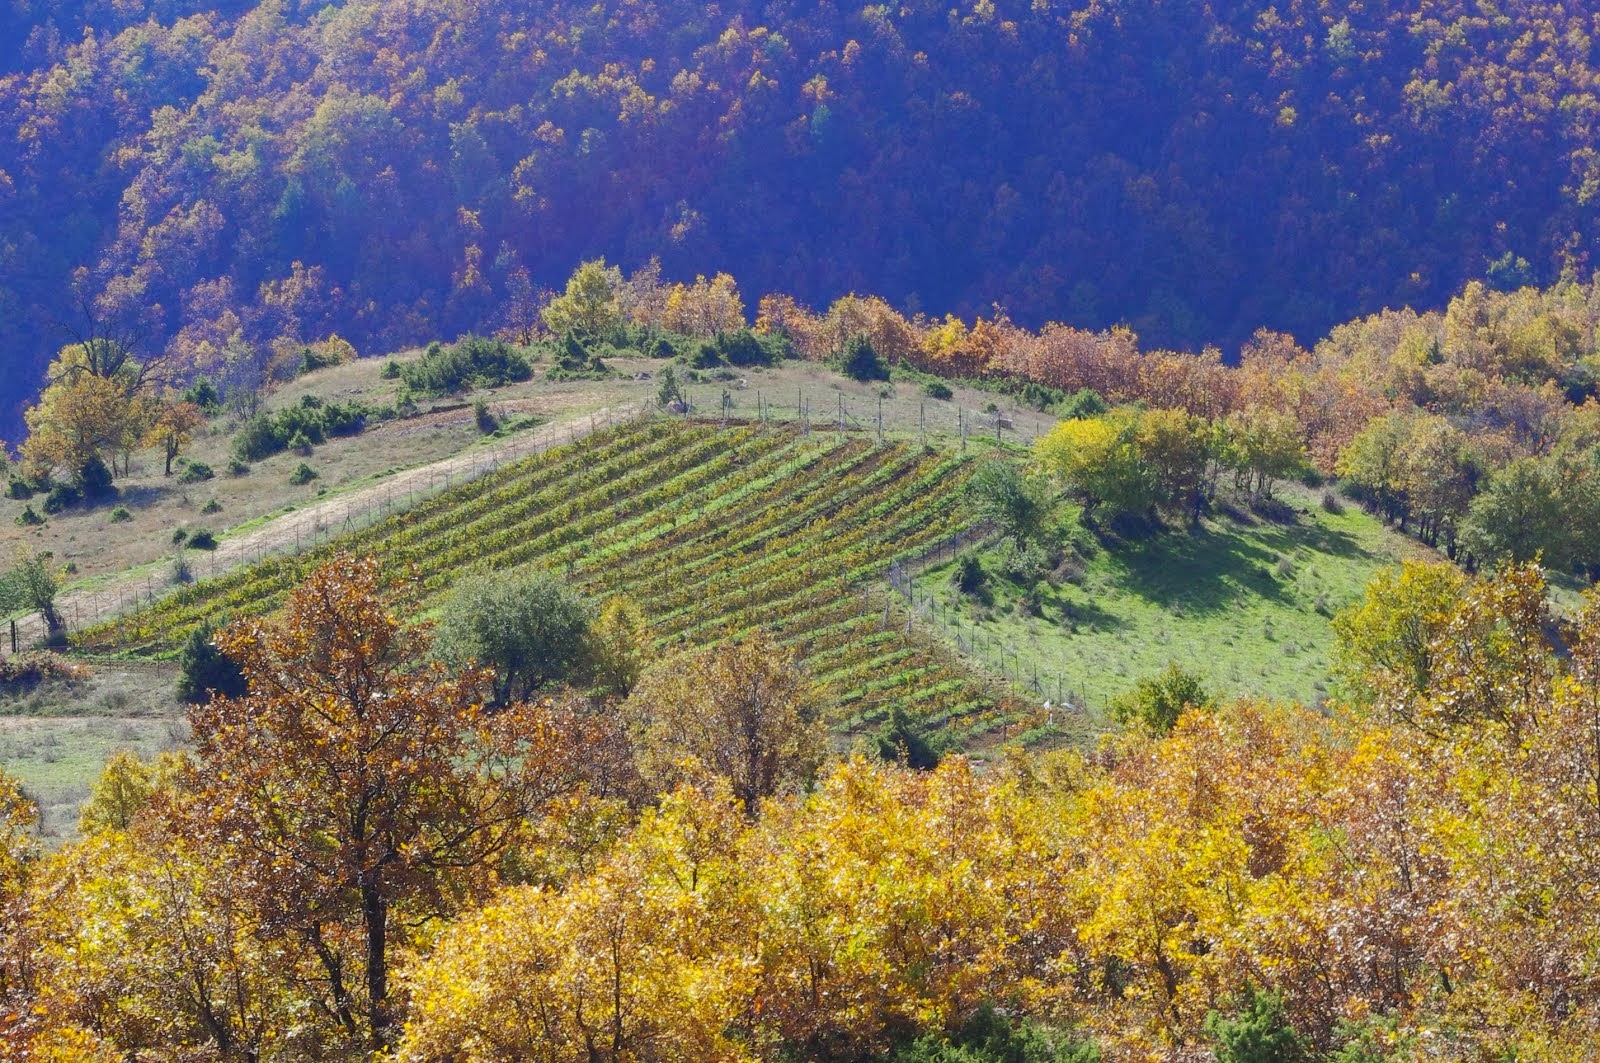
[[90, 408], [745, 712], [652, 956], [704, 308], [1096, 460], [591, 305]]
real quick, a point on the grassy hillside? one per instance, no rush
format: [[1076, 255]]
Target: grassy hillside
[[55, 738], [158, 505], [713, 531], [1242, 601]]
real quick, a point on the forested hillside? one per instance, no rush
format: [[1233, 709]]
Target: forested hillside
[[1005, 531], [210, 178]]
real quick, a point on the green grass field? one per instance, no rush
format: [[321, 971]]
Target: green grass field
[[56, 737], [1243, 601]]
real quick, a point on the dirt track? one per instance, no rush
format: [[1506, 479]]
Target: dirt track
[[316, 522]]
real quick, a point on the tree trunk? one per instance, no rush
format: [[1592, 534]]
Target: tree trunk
[[375, 914]]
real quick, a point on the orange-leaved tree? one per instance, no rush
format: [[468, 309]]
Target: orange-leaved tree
[[361, 790]]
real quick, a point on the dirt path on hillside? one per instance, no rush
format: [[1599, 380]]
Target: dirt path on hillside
[[323, 520]]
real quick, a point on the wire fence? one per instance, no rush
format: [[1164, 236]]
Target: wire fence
[[1052, 686], [886, 416]]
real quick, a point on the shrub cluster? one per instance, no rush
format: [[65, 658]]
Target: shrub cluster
[[195, 472], [740, 347], [577, 359], [471, 362], [26, 671], [310, 422]]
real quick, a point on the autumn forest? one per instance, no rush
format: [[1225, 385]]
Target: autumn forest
[[207, 174], [645, 532]]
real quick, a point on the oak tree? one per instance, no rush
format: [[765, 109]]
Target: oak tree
[[359, 788]]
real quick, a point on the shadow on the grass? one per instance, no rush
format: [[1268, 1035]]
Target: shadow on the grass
[[1207, 569]]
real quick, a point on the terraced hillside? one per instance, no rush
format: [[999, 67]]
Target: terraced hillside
[[713, 531]]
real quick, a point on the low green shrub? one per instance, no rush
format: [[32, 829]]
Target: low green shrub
[[969, 575], [61, 496], [203, 393], [1157, 702], [1085, 402], [195, 472], [484, 417], [859, 360], [574, 360], [990, 1037], [94, 480]]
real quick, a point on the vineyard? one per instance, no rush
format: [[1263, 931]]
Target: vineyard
[[713, 531]]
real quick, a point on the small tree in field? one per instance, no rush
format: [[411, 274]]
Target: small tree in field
[[204, 668], [591, 304], [859, 360], [670, 395], [32, 585], [530, 628], [1003, 495], [173, 427]]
